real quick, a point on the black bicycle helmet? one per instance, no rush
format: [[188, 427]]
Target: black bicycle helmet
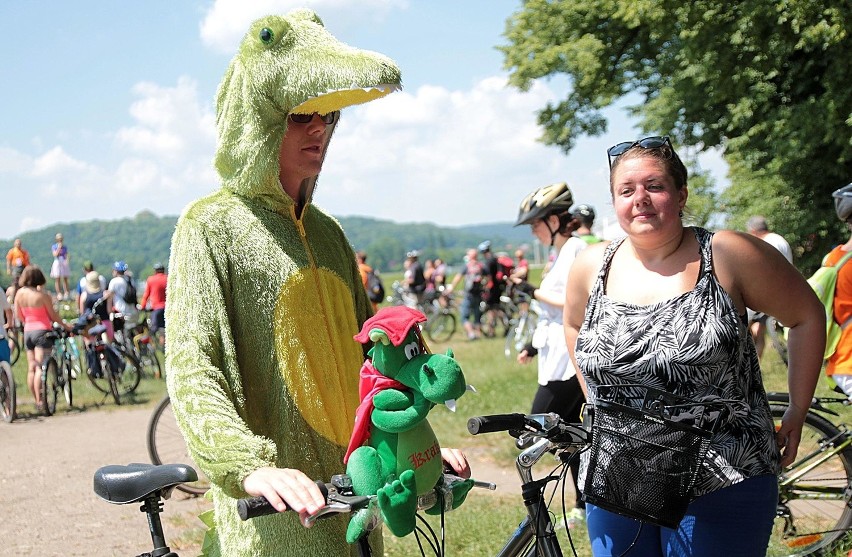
[[484, 246], [585, 213], [549, 200], [843, 202]]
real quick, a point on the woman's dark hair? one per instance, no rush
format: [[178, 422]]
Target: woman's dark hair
[[664, 154], [32, 276]]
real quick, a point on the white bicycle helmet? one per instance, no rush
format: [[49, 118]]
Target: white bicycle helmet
[[549, 200], [843, 202]]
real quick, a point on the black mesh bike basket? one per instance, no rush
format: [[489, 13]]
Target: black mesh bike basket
[[647, 448]]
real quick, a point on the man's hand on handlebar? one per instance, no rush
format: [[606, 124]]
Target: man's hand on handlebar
[[286, 488]]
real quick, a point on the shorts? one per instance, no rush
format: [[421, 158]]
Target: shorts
[[5, 353], [40, 339], [470, 308], [158, 320]]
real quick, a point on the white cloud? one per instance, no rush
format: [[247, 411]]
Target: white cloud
[[160, 162], [451, 157], [227, 20]]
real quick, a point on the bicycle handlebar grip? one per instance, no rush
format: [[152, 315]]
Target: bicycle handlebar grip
[[497, 422], [253, 507]]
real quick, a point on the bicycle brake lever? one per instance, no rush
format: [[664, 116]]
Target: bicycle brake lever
[[331, 508]]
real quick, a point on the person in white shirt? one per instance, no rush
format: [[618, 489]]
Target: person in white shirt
[[547, 211], [758, 227]]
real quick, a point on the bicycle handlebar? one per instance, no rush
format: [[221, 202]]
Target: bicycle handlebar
[[341, 499], [252, 507], [545, 426]]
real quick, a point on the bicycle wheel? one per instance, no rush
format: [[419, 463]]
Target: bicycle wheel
[[14, 349], [50, 386], [129, 375], [7, 392], [149, 361], [814, 498], [166, 446], [441, 327], [111, 376], [777, 337]]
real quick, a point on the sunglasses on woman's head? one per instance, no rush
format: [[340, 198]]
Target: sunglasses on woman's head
[[646, 143], [328, 119]]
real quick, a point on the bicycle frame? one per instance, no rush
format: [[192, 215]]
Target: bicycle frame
[[537, 523]]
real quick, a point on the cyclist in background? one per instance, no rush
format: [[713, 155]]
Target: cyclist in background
[[155, 295], [839, 365], [547, 211], [118, 286], [586, 215], [6, 324], [474, 277], [758, 227], [494, 286], [35, 310]]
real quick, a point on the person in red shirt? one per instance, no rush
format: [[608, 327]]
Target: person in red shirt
[[155, 293]]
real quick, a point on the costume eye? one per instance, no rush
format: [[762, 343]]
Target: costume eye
[[412, 349], [266, 36]]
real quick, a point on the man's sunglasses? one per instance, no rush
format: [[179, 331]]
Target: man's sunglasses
[[647, 143], [328, 119]]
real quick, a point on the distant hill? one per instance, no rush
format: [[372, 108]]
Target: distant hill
[[145, 239]]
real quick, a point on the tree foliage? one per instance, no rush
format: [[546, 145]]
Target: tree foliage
[[767, 81]]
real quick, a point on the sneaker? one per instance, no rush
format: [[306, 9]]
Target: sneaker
[[576, 517]]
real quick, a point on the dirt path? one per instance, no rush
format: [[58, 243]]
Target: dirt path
[[48, 508]]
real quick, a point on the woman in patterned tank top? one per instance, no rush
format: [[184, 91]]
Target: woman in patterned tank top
[[665, 307]]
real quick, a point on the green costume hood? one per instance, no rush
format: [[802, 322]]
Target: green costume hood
[[283, 66]]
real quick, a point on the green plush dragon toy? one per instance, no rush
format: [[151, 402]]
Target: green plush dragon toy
[[265, 294], [401, 381]]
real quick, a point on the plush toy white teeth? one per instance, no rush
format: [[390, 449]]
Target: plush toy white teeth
[[472, 389], [451, 404]]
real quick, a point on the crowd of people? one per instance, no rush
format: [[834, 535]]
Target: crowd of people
[[28, 306]]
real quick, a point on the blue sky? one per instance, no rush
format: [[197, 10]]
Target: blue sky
[[106, 109]]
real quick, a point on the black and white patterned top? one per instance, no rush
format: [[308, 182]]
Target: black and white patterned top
[[689, 345]]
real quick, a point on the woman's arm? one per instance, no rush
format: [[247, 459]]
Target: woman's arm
[[757, 276]]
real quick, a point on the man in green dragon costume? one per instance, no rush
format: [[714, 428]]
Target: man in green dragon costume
[[265, 295]]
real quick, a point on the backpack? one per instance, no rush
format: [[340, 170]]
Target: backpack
[[130, 295], [375, 288], [505, 267], [824, 282]]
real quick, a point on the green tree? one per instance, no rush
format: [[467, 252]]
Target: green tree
[[766, 81]]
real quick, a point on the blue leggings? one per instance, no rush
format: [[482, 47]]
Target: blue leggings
[[735, 522]]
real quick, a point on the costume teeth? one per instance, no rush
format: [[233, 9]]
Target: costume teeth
[[451, 404], [471, 389]]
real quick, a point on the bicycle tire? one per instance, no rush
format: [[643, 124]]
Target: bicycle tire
[[129, 377], [777, 338], [149, 361], [441, 327], [111, 376], [14, 349], [814, 512], [49, 386], [7, 392], [166, 445]]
